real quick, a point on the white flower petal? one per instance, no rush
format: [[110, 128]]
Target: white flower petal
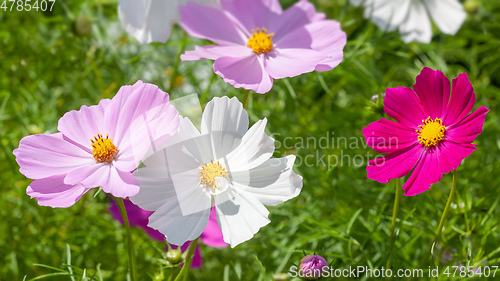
[[148, 20], [226, 122], [416, 26], [158, 186], [240, 216], [272, 183], [178, 227], [255, 148], [189, 141], [387, 14], [447, 14]]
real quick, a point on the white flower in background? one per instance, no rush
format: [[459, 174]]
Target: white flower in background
[[411, 17], [152, 20], [226, 165]]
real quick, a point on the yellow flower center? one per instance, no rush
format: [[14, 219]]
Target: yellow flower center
[[431, 131], [103, 149], [260, 42], [210, 171]]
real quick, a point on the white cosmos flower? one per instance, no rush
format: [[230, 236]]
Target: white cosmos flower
[[152, 20], [411, 17], [226, 165]]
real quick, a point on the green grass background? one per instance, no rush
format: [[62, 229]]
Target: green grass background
[[49, 67]]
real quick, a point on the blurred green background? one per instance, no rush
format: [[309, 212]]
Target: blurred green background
[[54, 62]]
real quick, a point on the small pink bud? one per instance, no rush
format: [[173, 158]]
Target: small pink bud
[[312, 266]]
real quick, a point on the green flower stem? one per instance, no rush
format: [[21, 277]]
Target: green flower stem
[[130, 243], [393, 224], [443, 217], [245, 98], [187, 265]]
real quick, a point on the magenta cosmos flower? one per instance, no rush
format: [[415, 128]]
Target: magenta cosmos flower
[[211, 236], [257, 41], [432, 134], [98, 145]]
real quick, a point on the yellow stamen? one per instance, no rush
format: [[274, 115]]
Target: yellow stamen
[[103, 149], [260, 42], [210, 171], [431, 131]]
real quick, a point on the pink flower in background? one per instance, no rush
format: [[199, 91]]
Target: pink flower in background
[[257, 41], [211, 236], [98, 145], [432, 134], [312, 266]]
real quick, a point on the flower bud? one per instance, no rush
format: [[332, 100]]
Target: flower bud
[[281, 277], [174, 257], [312, 266], [471, 6], [82, 25]]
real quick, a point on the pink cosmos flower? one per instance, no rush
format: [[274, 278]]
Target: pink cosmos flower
[[257, 41], [432, 134], [98, 145], [211, 236]]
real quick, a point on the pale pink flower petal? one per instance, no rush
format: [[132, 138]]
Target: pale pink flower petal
[[212, 24], [254, 77], [41, 156], [291, 62], [53, 192], [214, 52]]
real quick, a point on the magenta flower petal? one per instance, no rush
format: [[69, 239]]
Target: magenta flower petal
[[212, 235], [291, 62], [404, 106], [52, 152], [433, 89], [53, 192], [426, 173], [254, 77], [214, 52], [452, 154], [300, 14], [394, 165], [386, 136], [461, 102], [466, 130], [210, 23]]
